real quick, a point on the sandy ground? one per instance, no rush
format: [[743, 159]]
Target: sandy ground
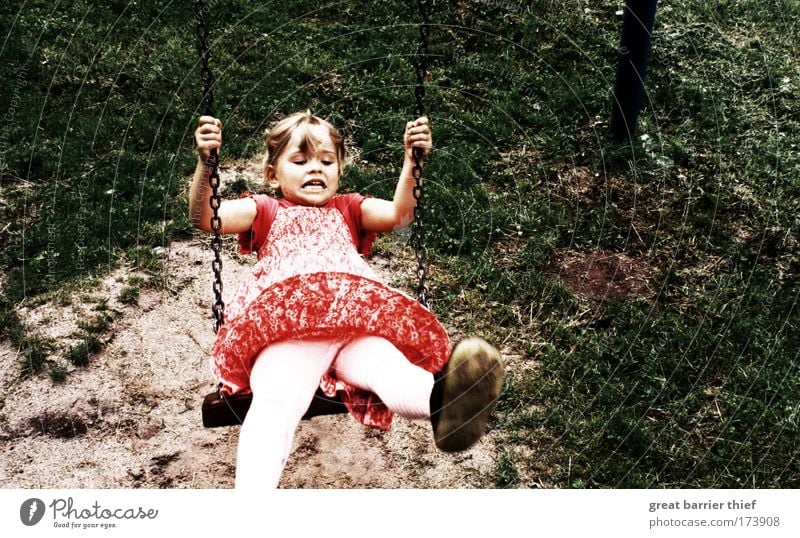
[[131, 417]]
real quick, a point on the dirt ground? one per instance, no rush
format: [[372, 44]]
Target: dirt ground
[[131, 417], [602, 274]]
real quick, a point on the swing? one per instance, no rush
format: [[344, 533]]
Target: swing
[[218, 409]]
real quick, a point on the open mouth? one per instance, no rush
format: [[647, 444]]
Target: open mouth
[[314, 184]]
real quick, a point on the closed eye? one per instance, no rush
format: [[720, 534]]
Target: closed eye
[[300, 162]]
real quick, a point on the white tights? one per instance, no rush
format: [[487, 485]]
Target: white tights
[[284, 379]]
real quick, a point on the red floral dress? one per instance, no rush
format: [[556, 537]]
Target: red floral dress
[[311, 281]]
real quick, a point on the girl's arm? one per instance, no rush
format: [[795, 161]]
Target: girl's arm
[[379, 215], [236, 215]]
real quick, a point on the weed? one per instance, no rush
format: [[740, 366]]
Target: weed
[[11, 326], [63, 298], [137, 281], [35, 350], [97, 323], [145, 259], [129, 295], [79, 353], [506, 474], [58, 374]]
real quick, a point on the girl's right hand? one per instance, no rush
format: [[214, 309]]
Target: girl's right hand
[[208, 136]]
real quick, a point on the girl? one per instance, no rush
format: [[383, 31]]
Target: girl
[[314, 314]]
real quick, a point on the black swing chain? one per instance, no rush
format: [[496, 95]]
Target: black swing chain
[[418, 232], [212, 164]]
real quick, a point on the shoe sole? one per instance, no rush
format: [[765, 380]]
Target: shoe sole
[[472, 381]]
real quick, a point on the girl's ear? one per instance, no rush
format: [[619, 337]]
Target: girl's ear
[[270, 177]]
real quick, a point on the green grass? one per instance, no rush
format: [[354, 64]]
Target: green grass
[[506, 475], [79, 353], [34, 352], [96, 324], [694, 386], [129, 295], [58, 374]]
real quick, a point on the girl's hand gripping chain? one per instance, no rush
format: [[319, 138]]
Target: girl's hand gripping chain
[[417, 135], [236, 215], [208, 136], [384, 216]]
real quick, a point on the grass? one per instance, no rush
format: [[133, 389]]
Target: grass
[[129, 295], [97, 324], [35, 350], [696, 386], [58, 374], [506, 475], [79, 353]]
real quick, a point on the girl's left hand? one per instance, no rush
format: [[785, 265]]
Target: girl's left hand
[[417, 135]]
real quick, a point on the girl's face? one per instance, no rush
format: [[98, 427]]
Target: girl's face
[[310, 177]]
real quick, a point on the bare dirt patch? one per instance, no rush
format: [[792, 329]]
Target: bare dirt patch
[[577, 183], [603, 274]]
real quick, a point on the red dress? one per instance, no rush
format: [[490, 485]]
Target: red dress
[[311, 281]]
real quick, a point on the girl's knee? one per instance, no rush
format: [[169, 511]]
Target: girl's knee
[[279, 406]]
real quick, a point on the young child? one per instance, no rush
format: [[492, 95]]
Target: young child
[[314, 314]]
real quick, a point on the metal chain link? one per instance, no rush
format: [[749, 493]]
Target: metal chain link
[[418, 231], [212, 164]]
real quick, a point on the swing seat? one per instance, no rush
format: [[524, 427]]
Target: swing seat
[[221, 410]]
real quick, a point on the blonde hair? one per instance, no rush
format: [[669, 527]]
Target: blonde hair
[[277, 137]]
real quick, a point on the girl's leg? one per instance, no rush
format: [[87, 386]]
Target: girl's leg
[[375, 364], [458, 403], [284, 379]]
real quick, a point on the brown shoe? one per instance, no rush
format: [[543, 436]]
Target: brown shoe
[[464, 394]]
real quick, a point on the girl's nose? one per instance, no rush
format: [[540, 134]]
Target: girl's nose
[[314, 164]]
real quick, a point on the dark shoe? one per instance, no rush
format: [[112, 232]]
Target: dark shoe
[[464, 394]]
